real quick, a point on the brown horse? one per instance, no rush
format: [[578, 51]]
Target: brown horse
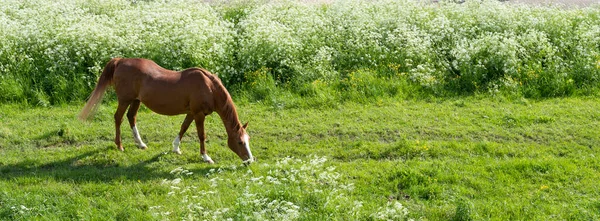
[[194, 92]]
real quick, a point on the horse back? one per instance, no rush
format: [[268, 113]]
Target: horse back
[[165, 91]]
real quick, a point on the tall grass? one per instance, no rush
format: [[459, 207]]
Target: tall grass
[[52, 52]]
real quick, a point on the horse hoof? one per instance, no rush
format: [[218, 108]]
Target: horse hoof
[[177, 152], [121, 149], [207, 159], [143, 147]]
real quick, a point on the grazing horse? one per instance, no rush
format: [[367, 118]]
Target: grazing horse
[[194, 92]]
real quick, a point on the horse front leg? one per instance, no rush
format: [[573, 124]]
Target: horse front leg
[[199, 118], [184, 126], [121, 108]]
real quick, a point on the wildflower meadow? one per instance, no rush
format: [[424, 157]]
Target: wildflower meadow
[[357, 110]]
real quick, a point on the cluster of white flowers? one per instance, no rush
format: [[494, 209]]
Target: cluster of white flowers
[[57, 48], [268, 209], [442, 42], [276, 195], [393, 211], [312, 176], [60, 47], [20, 209]]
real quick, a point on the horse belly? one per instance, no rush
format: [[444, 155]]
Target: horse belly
[[165, 103], [165, 109]]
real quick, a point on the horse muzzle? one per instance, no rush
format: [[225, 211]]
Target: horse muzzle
[[249, 161]]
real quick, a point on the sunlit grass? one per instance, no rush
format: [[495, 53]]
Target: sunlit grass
[[464, 158]]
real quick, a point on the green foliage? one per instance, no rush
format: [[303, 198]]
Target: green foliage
[[260, 85], [56, 50], [365, 86], [53, 52], [10, 89], [463, 211]]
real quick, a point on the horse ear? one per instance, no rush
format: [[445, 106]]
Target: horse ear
[[245, 125]]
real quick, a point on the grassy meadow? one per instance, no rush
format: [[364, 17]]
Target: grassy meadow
[[442, 159], [358, 110]]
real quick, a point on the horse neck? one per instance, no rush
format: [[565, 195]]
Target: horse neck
[[229, 116], [224, 106]]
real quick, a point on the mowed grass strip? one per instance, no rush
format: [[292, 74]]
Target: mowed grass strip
[[456, 158]]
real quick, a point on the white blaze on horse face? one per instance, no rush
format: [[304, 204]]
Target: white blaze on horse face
[[176, 145], [246, 139], [137, 138]]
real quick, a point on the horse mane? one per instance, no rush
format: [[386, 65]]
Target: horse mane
[[227, 109]]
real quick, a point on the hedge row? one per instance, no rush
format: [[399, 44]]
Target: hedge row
[[52, 52]]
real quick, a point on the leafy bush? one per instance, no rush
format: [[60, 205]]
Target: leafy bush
[[288, 38], [54, 51], [448, 48], [57, 49]]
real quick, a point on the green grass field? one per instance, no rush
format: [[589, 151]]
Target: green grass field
[[468, 158], [358, 110]]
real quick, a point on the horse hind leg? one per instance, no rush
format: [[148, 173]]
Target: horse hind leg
[[131, 116], [184, 126], [121, 108]]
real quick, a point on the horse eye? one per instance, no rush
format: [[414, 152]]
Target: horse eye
[[241, 143]]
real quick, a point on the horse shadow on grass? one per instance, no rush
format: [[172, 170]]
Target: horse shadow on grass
[[73, 170]]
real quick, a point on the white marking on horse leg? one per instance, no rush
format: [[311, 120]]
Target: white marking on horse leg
[[176, 143], [247, 145], [207, 159], [137, 138]]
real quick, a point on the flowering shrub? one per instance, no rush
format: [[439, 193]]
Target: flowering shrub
[[287, 37], [52, 52], [57, 49], [463, 48]]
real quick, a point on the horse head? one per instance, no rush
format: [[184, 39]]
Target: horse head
[[240, 145]]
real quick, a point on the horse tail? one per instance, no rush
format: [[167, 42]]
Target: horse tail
[[105, 80]]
